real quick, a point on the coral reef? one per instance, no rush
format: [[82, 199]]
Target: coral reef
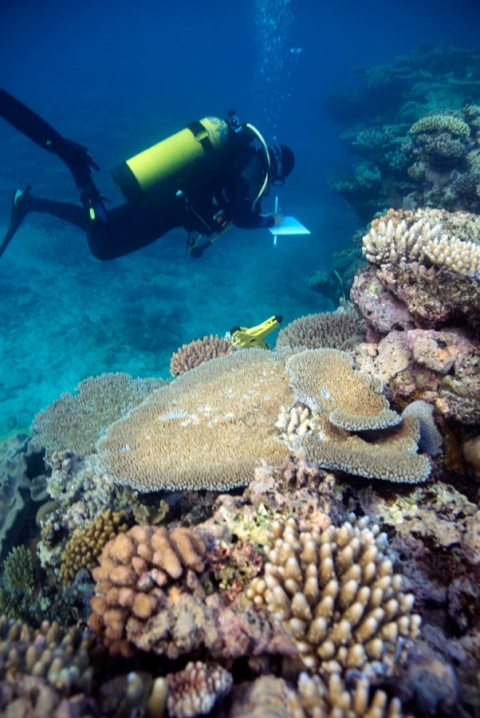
[[337, 330], [195, 690], [196, 352], [205, 430], [316, 697], [415, 131], [345, 403], [18, 568], [74, 421], [336, 594], [134, 567], [20, 469], [86, 544]]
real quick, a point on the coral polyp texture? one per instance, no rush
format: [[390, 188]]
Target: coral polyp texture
[[208, 429], [316, 698], [400, 237], [342, 402], [86, 544], [195, 353], [336, 594], [74, 421], [336, 330], [195, 690], [429, 260], [135, 569], [61, 657]]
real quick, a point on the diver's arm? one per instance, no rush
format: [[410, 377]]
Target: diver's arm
[[245, 215]]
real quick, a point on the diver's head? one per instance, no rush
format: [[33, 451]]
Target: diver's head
[[282, 162]]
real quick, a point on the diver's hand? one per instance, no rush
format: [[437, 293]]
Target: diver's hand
[[278, 219]]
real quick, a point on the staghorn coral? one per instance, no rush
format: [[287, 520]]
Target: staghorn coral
[[134, 569], [336, 594], [195, 690], [205, 430], [332, 329], [195, 353], [86, 544], [74, 422], [317, 698]]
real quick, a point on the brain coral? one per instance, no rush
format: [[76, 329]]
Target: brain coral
[[208, 429], [331, 329], [75, 421], [336, 594], [197, 352]]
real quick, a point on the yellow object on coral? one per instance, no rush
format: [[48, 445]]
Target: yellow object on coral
[[255, 336]]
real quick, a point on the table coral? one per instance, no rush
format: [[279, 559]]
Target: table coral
[[205, 430], [74, 421], [196, 352], [342, 402], [336, 594]]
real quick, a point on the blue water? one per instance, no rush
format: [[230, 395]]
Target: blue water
[[118, 76]]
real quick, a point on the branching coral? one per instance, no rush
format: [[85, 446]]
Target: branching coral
[[316, 698], [195, 353], [195, 690], [336, 594]]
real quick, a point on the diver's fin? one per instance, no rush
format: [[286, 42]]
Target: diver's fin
[[75, 156], [19, 211], [27, 121]]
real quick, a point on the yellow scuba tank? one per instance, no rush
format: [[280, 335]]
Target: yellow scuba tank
[[169, 157]]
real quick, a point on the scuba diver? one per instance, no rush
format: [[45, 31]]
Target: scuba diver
[[205, 178]]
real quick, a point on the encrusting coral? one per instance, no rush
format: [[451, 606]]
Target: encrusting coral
[[336, 594], [86, 544], [195, 690], [135, 569], [74, 421], [206, 430], [336, 330], [196, 352]]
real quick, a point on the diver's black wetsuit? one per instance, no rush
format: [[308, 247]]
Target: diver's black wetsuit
[[229, 187]]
